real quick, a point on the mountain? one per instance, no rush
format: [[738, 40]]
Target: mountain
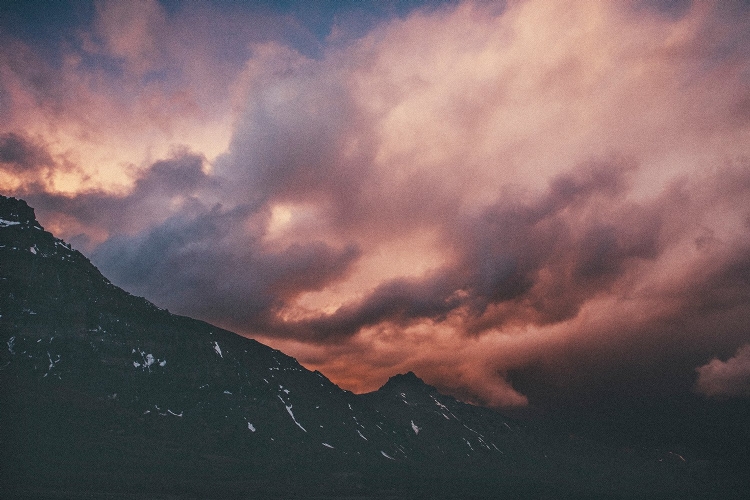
[[105, 395]]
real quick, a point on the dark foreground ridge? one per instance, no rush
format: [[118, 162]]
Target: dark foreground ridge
[[104, 395]]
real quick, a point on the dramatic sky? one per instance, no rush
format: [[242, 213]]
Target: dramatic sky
[[524, 202]]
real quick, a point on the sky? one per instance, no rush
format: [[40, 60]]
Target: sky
[[529, 204]]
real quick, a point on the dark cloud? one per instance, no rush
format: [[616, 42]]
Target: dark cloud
[[27, 71], [505, 251], [399, 301], [203, 265], [180, 175], [20, 155], [166, 187]]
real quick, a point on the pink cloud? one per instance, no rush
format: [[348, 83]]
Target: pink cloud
[[726, 378]]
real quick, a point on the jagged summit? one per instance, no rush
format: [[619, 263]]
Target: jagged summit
[[14, 211], [23, 237], [406, 380], [408, 377]]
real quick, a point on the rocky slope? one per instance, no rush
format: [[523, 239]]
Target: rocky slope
[[104, 395]]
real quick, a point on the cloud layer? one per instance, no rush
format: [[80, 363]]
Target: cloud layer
[[532, 204]]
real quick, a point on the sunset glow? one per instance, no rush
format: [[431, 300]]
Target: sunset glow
[[488, 194]]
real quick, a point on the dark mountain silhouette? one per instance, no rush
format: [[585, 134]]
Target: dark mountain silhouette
[[104, 395]]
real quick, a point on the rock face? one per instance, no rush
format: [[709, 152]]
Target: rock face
[[106, 395]]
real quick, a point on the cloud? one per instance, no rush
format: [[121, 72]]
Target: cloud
[[726, 378], [132, 33], [539, 204], [495, 276], [163, 189], [20, 155], [130, 82], [28, 165], [200, 262]]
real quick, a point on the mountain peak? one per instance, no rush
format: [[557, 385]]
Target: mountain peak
[[408, 379], [16, 212]]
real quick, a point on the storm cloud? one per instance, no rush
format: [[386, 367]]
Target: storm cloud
[[529, 204]]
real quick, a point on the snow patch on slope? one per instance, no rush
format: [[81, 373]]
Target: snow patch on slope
[[289, 410]]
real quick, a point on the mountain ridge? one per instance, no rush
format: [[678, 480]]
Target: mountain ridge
[[106, 395]]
